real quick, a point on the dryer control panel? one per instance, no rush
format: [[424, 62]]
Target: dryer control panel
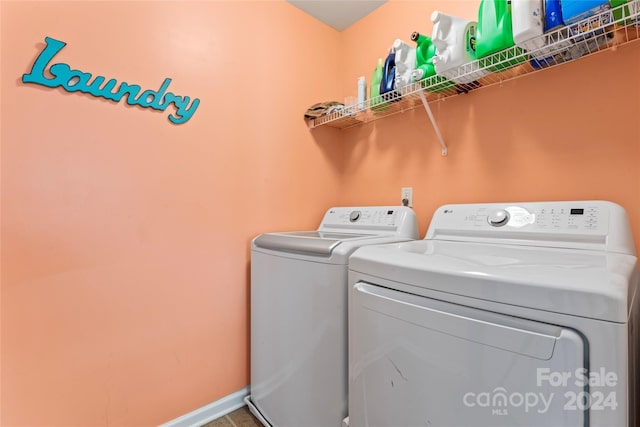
[[371, 219], [550, 217], [581, 224]]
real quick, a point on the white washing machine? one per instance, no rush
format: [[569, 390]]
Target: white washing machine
[[510, 314], [299, 313]]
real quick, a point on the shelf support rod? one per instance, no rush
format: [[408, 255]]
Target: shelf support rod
[[433, 122]]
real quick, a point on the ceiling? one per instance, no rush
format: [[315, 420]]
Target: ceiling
[[338, 14]]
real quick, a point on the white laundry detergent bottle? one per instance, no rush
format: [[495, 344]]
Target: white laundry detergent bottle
[[405, 63], [455, 42], [527, 24]]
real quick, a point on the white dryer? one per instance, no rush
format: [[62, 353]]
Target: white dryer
[[510, 314], [299, 313]]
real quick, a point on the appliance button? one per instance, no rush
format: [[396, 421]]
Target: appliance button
[[498, 218]]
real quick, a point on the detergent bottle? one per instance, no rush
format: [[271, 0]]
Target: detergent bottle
[[405, 63], [552, 15], [618, 13], [388, 84], [561, 49], [495, 34], [624, 12], [454, 39], [579, 17], [527, 24], [376, 103], [494, 27], [425, 51], [583, 25], [577, 10]]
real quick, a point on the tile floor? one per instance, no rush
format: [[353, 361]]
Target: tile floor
[[238, 418]]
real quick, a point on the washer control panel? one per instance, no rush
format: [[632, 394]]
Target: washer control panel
[[362, 216], [581, 224], [372, 220]]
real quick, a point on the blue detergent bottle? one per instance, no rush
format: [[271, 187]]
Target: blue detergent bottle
[[388, 82], [552, 15], [552, 21]]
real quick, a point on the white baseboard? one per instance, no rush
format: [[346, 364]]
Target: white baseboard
[[210, 412], [256, 412]]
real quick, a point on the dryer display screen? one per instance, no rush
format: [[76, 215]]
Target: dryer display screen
[[577, 211]]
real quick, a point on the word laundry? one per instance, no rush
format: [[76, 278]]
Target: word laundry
[[79, 81]]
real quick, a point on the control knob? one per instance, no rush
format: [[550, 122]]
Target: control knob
[[354, 216], [498, 218]]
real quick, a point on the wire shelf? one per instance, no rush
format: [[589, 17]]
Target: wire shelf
[[609, 29]]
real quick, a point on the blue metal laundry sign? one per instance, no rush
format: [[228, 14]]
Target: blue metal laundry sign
[[79, 81]]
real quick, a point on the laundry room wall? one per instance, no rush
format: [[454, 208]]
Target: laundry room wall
[[125, 238], [567, 133]]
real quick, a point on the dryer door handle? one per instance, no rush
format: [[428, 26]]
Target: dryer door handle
[[522, 336]]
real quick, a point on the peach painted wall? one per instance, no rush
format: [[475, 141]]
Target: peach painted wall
[[125, 238], [562, 134]]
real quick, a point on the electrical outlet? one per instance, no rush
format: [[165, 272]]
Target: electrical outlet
[[407, 196]]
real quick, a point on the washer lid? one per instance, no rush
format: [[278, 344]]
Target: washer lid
[[313, 242], [583, 283]]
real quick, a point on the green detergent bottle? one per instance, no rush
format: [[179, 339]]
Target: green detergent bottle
[[425, 51], [622, 12], [617, 13], [375, 100], [495, 34]]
